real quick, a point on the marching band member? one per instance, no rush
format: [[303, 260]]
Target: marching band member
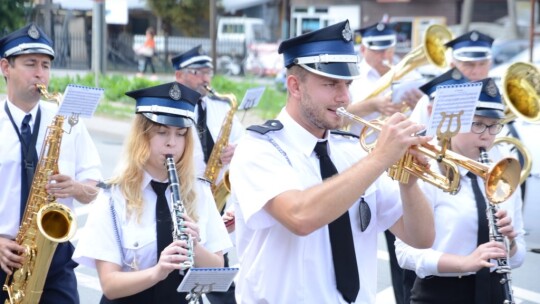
[[194, 69], [26, 60], [471, 55], [128, 234], [451, 270], [288, 218]]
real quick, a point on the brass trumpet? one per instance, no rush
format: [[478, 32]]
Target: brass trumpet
[[527, 158], [501, 179]]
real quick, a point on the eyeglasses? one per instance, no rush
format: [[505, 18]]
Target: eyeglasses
[[365, 214], [196, 72], [480, 127]]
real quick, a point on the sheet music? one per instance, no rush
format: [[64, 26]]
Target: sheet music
[[453, 99], [208, 279], [80, 100], [251, 98]]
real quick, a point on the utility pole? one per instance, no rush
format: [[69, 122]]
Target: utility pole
[[98, 40], [213, 33], [512, 18], [466, 15]]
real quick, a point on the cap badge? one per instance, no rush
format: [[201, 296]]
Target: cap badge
[[33, 32], [347, 33], [200, 50], [456, 75], [175, 92], [474, 36], [380, 27], [491, 88]]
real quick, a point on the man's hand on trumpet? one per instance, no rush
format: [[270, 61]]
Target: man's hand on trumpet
[[397, 136]]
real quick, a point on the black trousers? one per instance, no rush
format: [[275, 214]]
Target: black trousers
[[454, 290], [61, 283], [402, 279]]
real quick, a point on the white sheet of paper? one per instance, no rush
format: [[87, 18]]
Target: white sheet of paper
[[251, 98], [80, 100], [453, 99], [400, 88], [208, 279]]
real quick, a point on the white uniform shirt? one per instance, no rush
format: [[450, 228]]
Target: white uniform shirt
[[98, 240], [456, 227], [216, 111], [278, 266], [78, 158]]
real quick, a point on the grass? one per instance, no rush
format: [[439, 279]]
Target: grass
[[116, 104]]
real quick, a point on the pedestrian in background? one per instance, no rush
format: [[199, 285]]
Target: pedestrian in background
[[146, 53]]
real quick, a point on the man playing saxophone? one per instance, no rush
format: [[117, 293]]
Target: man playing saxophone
[[194, 69], [26, 60]]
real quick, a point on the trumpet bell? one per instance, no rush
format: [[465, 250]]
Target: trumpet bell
[[502, 180], [521, 92]]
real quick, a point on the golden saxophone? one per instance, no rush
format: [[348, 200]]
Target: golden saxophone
[[222, 190], [45, 222], [178, 211]]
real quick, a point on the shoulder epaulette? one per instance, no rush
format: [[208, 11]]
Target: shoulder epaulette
[[269, 126], [344, 133]]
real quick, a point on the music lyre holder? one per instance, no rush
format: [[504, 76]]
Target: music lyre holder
[[198, 281], [444, 136]]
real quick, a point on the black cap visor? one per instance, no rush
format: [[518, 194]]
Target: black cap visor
[[169, 120], [339, 70]]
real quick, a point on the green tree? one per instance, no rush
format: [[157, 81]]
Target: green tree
[[188, 15], [14, 13]]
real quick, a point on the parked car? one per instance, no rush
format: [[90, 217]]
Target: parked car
[[504, 50], [497, 72]]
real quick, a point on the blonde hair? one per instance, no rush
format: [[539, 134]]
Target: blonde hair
[[137, 152]]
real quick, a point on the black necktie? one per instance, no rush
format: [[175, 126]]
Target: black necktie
[[482, 289], [341, 239], [165, 289], [26, 136], [207, 142]]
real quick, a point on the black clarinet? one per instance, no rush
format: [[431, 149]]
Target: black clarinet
[[503, 267], [178, 210]]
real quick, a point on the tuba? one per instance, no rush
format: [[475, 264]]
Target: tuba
[[222, 190], [500, 179], [45, 222], [432, 51], [521, 95], [521, 92]]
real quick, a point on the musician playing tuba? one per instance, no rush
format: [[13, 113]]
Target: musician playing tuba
[[377, 48], [26, 61], [146, 226], [455, 269]]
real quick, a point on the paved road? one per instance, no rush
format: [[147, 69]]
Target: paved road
[[525, 279]]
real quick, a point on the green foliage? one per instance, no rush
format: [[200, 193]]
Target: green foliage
[[13, 14], [116, 104], [187, 15]]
